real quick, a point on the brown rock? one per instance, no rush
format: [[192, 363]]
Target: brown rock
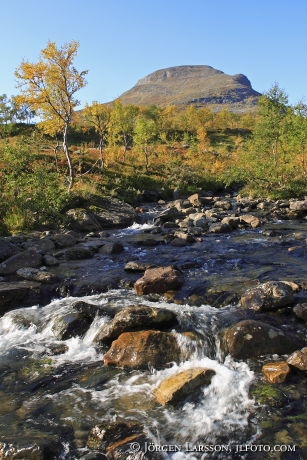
[[300, 311], [143, 349], [298, 359], [251, 220], [269, 296], [177, 387], [158, 280], [276, 372]]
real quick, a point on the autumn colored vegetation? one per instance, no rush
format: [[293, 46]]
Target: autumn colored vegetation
[[133, 152]]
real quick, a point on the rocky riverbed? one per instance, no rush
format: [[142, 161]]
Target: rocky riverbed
[[188, 326]]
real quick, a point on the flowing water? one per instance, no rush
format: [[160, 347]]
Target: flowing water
[[52, 391], [49, 392]]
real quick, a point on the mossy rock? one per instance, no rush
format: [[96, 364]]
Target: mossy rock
[[269, 395]]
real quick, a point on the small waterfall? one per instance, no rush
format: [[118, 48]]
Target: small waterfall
[[84, 393]]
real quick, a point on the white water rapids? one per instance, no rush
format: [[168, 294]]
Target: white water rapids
[[222, 409]]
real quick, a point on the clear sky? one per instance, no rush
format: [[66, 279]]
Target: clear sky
[[122, 41]]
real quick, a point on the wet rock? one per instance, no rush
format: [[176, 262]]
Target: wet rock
[[18, 294], [220, 228], [251, 220], [250, 338], [143, 349], [115, 440], [146, 239], [111, 248], [184, 236], [34, 274], [50, 260], [94, 456], [71, 325], [177, 387], [57, 349], [276, 372], [78, 253], [159, 280], [300, 311], [179, 242], [169, 214], [28, 258], [64, 240], [266, 394], [42, 245], [135, 266], [269, 296], [136, 318], [298, 359]]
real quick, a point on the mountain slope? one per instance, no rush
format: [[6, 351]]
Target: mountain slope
[[193, 84]]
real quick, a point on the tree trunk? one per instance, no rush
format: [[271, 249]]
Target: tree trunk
[[71, 172], [100, 153]]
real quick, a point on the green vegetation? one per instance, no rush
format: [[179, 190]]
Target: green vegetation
[[135, 152]]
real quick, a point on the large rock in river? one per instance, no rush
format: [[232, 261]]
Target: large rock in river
[[28, 258], [269, 296], [18, 294], [136, 318], [143, 349], [159, 280], [250, 338], [175, 388], [96, 213]]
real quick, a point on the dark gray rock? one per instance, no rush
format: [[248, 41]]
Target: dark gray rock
[[136, 318], [71, 325], [7, 249], [28, 258], [18, 294], [111, 248], [250, 339]]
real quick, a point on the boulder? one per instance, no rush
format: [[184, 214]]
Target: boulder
[[143, 349], [82, 220], [276, 372], [28, 258], [111, 248], [136, 318], [34, 274], [300, 311], [220, 228], [298, 359], [71, 325], [117, 439], [297, 205], [169, 214], [177, 387], [250, 220], [50, 260], [78, 253], [135, 266], [7, 249], [269, 296], [64, 240], [225, 205], [18, 294], [251, 338], [159, 280]]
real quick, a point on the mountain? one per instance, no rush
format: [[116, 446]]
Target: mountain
[[197, 85]]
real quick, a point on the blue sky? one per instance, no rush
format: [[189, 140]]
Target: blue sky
[[122, 41]]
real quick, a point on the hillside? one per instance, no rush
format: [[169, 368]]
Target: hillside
[[197, 85]]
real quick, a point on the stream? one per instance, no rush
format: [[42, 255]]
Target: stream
[[54, 391]]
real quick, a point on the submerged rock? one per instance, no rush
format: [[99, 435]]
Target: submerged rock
[[175, 388], [143, 349], [136, 318], [117, 439], [159, 280], [250, 338]]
